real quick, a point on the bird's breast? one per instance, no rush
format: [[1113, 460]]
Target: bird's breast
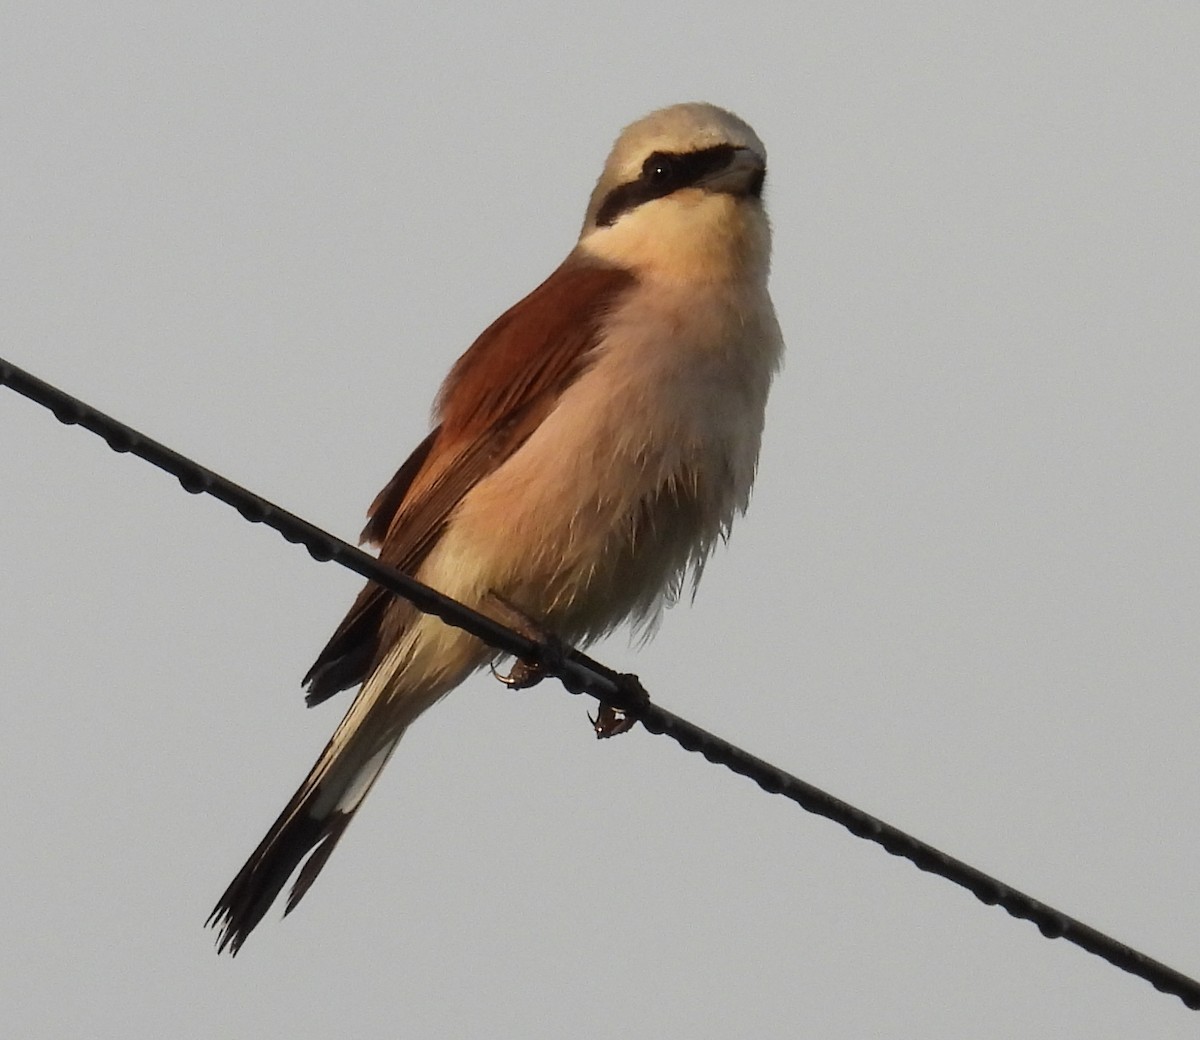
[[634, 474]]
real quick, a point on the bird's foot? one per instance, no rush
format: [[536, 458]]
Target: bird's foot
[[524, 674], [551, 650], [611, 721]]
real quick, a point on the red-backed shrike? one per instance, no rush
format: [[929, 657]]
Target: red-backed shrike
[[590, 449]]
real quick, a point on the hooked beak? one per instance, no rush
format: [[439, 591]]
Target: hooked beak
[[744, 175]]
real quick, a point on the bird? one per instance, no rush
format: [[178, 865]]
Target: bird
[[588, 452]]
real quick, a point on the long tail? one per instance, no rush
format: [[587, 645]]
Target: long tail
[[313, 822], [427, 663]]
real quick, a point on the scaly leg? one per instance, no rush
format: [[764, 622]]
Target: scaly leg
[[609, 721], [525, 674]]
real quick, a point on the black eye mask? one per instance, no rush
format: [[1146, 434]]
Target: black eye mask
[[663, 173]]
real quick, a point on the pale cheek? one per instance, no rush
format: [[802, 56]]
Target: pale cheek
[[693, 236]]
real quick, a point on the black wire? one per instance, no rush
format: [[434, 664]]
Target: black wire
[[580, 674]]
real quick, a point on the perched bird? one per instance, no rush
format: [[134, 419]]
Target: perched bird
[[589, 450]]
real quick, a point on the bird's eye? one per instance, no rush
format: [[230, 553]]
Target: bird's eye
[[658, 169]]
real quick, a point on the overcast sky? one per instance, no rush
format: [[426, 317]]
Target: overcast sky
[[965, 598]]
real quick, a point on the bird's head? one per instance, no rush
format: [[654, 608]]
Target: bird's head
[[681, 197]]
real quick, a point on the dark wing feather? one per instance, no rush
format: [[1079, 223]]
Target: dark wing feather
[[348, 653], [387, 502], [495, 396]]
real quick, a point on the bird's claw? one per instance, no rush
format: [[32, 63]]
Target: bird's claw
[[551, 653], [521, 676], [550, 650], [611, 721]]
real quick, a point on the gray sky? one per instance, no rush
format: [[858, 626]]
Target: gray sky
[[965, 599]]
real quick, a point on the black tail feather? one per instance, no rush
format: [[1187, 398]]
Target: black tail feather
[[256, 886], [335, 826]]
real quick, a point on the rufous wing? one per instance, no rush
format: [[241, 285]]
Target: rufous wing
[[495, 396]]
